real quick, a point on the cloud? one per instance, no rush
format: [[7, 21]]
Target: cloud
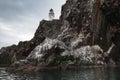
[[19, 19], [17, 31]]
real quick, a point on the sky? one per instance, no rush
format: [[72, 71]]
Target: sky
[[19, 19]]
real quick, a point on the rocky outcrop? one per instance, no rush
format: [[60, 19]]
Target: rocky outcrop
[[22, 50], [56, 48], [53, 53], [86, 34]]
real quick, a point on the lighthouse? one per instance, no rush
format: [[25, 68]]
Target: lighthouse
[[51, 14]]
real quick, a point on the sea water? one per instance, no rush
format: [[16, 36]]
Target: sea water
[[100, 73]]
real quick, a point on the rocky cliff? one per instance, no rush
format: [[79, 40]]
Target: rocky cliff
[[46, 29], [88, 33]]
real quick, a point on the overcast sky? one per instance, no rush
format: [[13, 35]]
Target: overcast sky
[[19, 19]]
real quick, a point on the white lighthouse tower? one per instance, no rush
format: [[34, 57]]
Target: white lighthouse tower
[[51, 14]]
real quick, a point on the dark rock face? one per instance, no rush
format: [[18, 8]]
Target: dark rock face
[[87, 31], [49, 29], [6, 55], [77, 15], [111, 12]]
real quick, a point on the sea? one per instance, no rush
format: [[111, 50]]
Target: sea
[[99, 73]]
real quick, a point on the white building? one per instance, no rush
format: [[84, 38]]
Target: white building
[[51, 14]]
